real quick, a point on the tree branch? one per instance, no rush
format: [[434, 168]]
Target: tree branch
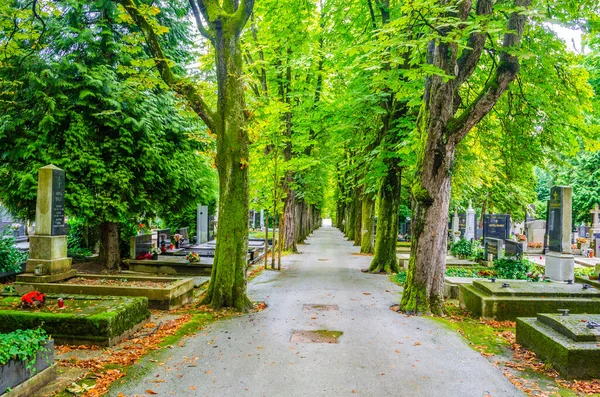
[[243, 14], [182, 86], [469, 59], [505, 73], [203, 31]]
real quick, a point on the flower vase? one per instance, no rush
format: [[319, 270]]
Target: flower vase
[[155, 257], [177, 244]]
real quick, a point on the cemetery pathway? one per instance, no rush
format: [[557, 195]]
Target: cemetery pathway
[[381, 353]]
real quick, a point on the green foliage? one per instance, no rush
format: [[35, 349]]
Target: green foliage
[[471, 272], [22, 345], [513, 269], [76, 239], [461, 248], [10, 256], [90, 102]]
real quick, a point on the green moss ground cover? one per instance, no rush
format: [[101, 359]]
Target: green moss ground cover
[[83, 319]]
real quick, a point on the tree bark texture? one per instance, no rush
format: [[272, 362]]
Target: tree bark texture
[[441, 130], [227, 287], [385, 259], [289, 222], [350, 218], [110, 255], [367, 238], [358, 216]]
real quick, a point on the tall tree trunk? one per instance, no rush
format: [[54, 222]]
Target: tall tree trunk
[[351, 218], [441, 130], [386, 259], [224, 24], [289, 221], [227, 286], [367, 238], [358, 216], [267, 239], [110, 256]]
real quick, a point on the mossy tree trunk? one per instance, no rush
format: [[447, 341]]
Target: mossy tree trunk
[[385, 259], [367, 238], [221, 23], [441, 130], [350, 218], [358, 216], [110, 255]]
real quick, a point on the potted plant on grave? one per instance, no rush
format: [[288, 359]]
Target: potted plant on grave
[[23, 354], [33, 300], [15, 229], [192, 257], [177, 237], [581, 241], [154, 252]]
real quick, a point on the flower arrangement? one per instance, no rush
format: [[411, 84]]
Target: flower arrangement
[[521, 237], [154, 251], [536, 276], [177, 237], [581, 240], [15, 226], [193, 257], [33, 299], [533, 244]]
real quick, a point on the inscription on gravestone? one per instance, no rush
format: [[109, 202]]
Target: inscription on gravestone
[[58, 203], [496, 226], [555, 212]]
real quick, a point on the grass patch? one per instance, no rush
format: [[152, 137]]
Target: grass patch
[[399, 278], [403, 244], [483, 336]]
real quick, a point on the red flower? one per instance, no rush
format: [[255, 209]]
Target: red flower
[[33, 296]]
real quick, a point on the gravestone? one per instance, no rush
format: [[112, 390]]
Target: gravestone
[[560, 263], [455, 227], [15, 226], [581, 230], [496, 226], [163, 235], [48, 247], [535, 231], [494, 248], [470, 223], [202, 224], [185, 234], [140, 244], [513, 249]]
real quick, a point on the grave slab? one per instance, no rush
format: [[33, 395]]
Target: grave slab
[[94, 320], [525, 299], [171, 265], [564, 341], [163, 293]]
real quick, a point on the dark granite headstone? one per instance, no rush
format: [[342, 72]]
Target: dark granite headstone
[[58, 203], [141, 244], [496, 226], [513, 248], [555, 216], [494, 247], [163, 235]]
